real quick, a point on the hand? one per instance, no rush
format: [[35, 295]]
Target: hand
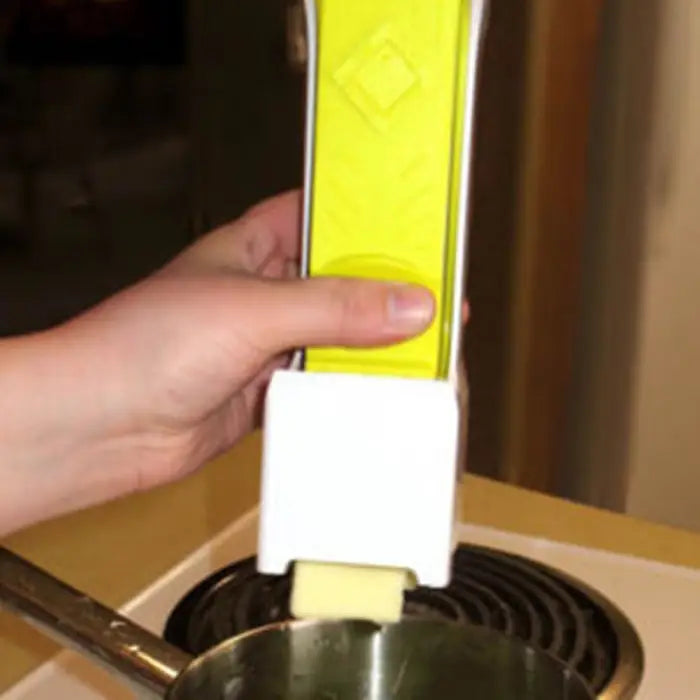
[[151, 384]]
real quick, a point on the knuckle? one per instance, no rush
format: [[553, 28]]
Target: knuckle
[[343, 306], [356, 307]]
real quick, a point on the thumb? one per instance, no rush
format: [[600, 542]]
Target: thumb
[[341, 313]]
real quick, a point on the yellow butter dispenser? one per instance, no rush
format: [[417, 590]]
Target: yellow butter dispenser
[[389, 126], [360, 447]]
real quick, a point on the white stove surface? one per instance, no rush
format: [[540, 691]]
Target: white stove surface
[[663, 602]]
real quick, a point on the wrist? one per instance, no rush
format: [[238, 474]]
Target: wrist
[[54, 444]]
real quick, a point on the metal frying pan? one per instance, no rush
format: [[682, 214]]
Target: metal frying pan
[[319, 660]]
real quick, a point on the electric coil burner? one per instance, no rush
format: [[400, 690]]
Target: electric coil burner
[[505, 592]]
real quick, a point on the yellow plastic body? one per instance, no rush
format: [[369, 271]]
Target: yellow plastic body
[[386, 173]]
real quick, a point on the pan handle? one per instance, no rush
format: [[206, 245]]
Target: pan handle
[[74, 619]]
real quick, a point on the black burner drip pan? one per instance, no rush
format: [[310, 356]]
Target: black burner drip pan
[[516, 596]]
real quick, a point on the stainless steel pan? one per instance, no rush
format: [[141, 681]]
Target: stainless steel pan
[[320, 661]]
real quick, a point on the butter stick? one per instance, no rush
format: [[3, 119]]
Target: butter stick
[[339, 591]]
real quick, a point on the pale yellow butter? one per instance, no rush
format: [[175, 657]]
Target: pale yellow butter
[[339, 591]]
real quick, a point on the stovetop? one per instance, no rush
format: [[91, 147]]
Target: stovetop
[[662, 602], [493, 589]]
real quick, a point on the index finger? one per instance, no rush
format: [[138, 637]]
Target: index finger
[[279, 217], [271, 229]]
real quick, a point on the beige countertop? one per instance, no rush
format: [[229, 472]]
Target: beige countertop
[[114, 551]]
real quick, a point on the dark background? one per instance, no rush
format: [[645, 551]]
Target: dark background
[[126, 129], [83, 32]]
